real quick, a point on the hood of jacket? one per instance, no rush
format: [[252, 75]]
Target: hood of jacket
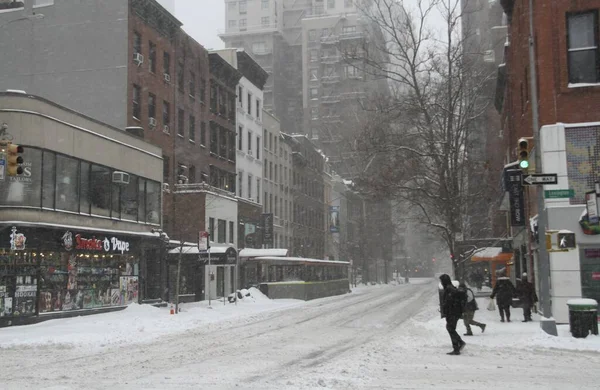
[[445, 280]]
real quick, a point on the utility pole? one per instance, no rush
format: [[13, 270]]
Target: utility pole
[[548, 324]]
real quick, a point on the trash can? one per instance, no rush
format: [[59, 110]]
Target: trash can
[[583, 317]]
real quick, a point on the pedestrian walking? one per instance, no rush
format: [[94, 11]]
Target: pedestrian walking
[[504, 291], [528, 297], [453, 302], [469, 310]]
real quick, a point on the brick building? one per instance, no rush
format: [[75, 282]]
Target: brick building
[[566, 36]]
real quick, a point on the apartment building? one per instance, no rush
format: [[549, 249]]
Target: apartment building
[[277, 177]]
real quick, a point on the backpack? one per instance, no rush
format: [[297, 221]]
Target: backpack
[[470, 306]]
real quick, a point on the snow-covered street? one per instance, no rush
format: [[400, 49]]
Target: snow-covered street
[[377, 337]]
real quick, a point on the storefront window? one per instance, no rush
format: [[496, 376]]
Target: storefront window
[[116, 205], [84, 197], [152, 202], [49, 179], [100, 194], [25, 189], [67, 186]]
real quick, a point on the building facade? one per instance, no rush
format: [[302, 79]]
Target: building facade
[[568, 77], [249, 164], [77, 227], [277, 177]]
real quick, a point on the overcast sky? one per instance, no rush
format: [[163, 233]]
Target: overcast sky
[[202, 19]]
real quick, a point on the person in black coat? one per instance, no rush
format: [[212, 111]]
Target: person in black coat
[[452, 309], [503, 291], [528, 297]]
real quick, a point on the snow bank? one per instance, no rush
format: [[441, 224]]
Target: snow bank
[[137, 323], [428, 329]]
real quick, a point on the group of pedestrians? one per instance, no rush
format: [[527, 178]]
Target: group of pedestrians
[[460, 303]]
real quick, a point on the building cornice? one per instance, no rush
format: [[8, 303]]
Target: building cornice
[[157, 17]]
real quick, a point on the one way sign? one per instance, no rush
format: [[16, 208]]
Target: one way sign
[[540, 179]]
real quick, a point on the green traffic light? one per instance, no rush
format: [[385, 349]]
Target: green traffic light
[[524, 164]]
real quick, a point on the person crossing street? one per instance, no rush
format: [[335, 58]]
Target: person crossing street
[[469, 310]]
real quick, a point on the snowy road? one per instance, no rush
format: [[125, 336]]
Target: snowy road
[[373, 338]]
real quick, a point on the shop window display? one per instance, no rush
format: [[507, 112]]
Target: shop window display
[[18, 283]]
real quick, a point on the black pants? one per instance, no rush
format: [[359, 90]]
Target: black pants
[[504, 309], [527, 311], [451, 328]]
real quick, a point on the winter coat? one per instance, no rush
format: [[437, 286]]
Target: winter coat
[[503, 291], [527, 293], [471, 304], [452, 300]]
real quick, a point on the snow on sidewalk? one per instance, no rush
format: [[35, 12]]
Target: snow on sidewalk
[[428, 329], [138, 323]]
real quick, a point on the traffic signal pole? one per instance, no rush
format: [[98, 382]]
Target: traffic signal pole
[[548, 324]]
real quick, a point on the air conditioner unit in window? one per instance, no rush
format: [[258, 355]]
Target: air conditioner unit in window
[[166, 129], [152, 122], [138, 59], [120, 178], [167, 77]]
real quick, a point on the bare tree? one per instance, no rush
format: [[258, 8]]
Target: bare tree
[[419, 138]]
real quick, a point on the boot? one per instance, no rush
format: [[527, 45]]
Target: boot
[[461, 346], [468, 334], [455, 352], [483, 328]]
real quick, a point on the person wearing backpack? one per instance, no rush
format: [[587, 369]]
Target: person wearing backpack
[[452, 309], [469, 310]]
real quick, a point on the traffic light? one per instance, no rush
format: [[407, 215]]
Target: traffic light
[[14, 160], [523, 153], [566, 240]]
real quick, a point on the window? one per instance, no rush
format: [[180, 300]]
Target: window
[[100, 180], [240, 96], [211, 228], [257, 147], [347, 3], [313, 55], [242, 24], [203, 133], [67, 186], [202, 89], [192, 128], [231, 146], [314, 93], [180, 78], [213, 96], [232, 24], [222, 238], [167, 63], [314, 113], [214, 141], [137, 43], [180, 122], [348, 29], [250, 186], [351, 71], [166, 172], [276, 176], [151, 105], [250, 103], [582, 36], [232, 5], [270, 142], [240, 136], [231, 232], [312, 35], [259, 48], [264, 21], [258, 190], [137, 91], [223, 136], [271, 170], [330, 4], [166, 114], [192, 174], [265, 205], [249, 142], [192, 85], [314, 75], [265, 4], [152, 57], [243, 6], [240, 182], [275, 209]]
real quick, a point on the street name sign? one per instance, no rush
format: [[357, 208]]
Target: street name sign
[[540, 179], [556, 194]]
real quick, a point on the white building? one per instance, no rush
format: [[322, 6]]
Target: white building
[[249, 164]]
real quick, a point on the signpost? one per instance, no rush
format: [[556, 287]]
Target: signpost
[[204, 246], [539, 179]]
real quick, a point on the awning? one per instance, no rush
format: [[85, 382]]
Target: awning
[[491, 254], [193, 250]]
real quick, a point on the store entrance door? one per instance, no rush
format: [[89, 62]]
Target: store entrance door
[[200, 288]]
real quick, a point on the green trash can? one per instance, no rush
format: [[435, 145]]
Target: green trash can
[[583, 317]]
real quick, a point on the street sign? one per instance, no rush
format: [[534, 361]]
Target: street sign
[[556, 194], [517, 201], [203, 241], [533, 179]]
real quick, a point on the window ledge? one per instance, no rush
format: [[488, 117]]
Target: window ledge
[[180, 135], [192, 141], [583, 85]]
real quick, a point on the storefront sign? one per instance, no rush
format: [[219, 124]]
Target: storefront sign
[[94, 244], [595, 275]]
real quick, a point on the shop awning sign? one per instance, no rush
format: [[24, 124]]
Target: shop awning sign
[[112, 244]]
